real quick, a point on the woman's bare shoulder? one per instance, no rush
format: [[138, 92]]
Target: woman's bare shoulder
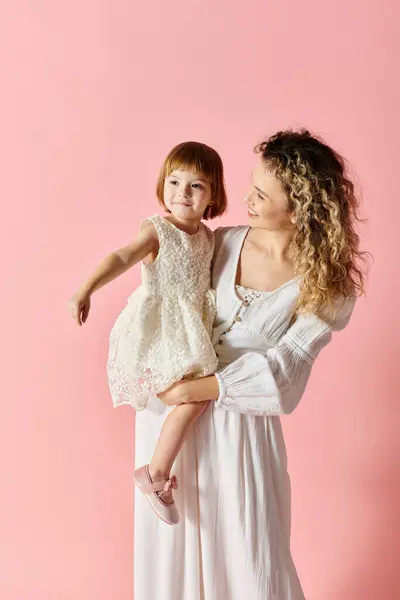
[[228, 233]]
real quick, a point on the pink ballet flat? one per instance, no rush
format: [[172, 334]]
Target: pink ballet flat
[[166, 512]]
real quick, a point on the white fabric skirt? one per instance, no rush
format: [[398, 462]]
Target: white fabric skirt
[[234, 500]]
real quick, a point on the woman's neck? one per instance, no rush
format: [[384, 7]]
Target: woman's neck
[[275, 243]]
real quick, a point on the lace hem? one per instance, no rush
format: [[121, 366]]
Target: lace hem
[[126, 388]]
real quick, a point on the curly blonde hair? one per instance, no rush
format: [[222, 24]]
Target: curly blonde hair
[[325, 207]]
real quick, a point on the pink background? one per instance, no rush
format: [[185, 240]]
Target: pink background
[[93, 96]]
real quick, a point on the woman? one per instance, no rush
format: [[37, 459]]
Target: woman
[[283, 284]]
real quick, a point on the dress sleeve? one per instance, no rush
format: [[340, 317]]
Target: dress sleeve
[[273, 384]]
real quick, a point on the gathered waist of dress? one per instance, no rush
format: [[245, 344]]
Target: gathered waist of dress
[[181, 291]]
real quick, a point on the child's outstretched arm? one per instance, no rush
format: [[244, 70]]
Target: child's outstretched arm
[[116, 263]]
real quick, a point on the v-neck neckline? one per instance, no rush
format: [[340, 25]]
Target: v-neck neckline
[[267, 293]]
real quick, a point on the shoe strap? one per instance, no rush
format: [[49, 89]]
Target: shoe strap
[[160, 486], [150, 488]]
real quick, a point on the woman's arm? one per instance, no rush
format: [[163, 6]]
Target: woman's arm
[[193, 390], [273, 384], [253, 384], [265, 385]]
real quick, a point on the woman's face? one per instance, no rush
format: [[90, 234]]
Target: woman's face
[[268, 204]]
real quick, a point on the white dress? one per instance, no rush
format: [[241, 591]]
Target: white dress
[[163, 333], [233, 541]]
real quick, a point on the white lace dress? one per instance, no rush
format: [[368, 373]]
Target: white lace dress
[[233, 540], [163, 333]]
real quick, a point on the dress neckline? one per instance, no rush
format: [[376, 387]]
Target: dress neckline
[[265, 293], [181, 230]]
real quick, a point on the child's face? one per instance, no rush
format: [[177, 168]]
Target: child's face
[[187, 194]]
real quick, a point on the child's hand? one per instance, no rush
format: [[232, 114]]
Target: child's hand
[[79, 306], [174, 395]]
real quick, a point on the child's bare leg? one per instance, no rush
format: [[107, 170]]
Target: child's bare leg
[[171, 439]]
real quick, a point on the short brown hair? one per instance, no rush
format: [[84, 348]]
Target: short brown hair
[[200, 158]]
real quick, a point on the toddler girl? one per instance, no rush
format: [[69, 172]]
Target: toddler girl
[[163, 333]]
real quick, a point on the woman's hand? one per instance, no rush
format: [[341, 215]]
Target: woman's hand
[[175, 394], [79, 306], [193, 390]]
